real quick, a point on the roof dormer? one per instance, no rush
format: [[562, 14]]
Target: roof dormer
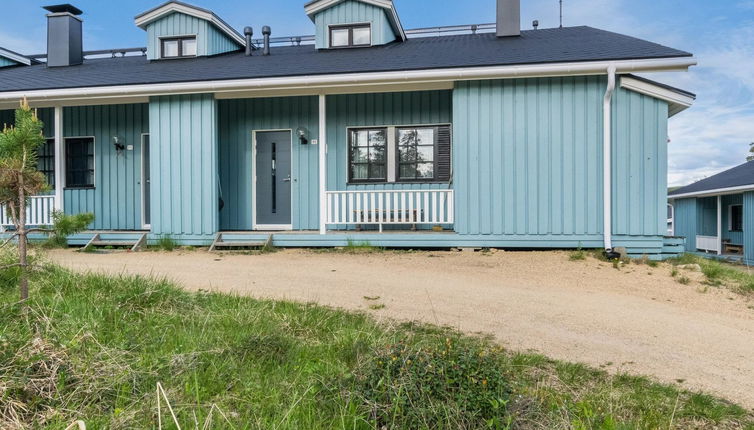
[[179, 30], [354, 23], [10, 58]]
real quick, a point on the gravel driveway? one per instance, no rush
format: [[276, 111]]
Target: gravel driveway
[[637, 319]]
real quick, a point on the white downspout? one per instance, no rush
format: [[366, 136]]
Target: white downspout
[[607, 159]]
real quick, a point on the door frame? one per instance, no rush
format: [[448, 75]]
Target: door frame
[[267, 227], [144, 225]]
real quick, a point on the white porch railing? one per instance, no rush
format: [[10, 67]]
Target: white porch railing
[[407, 207], [707, 243], [38, 212]]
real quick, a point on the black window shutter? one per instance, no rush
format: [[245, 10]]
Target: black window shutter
[[444, 163]]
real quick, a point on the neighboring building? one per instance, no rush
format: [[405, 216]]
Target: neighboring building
[[715, 215], [484, 136]]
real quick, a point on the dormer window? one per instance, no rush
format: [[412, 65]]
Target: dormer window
[[179, 47], [350, 36]]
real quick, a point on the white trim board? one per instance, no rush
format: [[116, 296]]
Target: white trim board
[[268, 227], [172, 7], [18, 58], [678, 102], [715, 192], [334, 83]]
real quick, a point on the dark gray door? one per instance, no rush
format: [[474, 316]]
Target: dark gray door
[[273, 169], [147, 195]]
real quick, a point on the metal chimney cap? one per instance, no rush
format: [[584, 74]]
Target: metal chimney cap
[[63, 8], [248, 31], [266, 30]]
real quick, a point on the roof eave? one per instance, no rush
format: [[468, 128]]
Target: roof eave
[[18, 58], [678, 100], [713, 192]]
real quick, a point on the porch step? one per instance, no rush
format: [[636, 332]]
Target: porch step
[[135, 242], [240, 240]]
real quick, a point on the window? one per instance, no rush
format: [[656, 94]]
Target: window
[[178, 47], [400, 154], [350, 36], [368, 155], [736, 218], [46, 161], [79, 162]]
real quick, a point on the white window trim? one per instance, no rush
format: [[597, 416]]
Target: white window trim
[[65, 162], [269, 227]]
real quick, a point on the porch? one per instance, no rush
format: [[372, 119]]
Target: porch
[[713, 225]]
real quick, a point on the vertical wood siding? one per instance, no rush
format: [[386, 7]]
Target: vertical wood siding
[[380, 109], [353, 11], [528, 159], [237, 120], [748, 233], [685, 221], [116, 198], [736, 237], [4, 62], [183, 166], [706, 216], [209, 40]]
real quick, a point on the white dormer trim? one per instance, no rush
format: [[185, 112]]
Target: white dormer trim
[[18, 58], [314, 7], [175, 6], [678, 102]]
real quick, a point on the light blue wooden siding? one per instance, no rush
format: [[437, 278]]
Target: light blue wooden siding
[[640, 160], [380, 109], [685, 221], [706, 216], [237, 120], [209, 40], [350, 12], [527, 157], [4, 62], [735, 237], [528, 160], [184, 161], [116, 198], [748, 233]]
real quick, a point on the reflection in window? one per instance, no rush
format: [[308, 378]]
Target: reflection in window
[[345, 36], [178, 47], [368, 155], [416, 154]]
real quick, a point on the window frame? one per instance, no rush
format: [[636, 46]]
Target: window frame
[[386, 163], [394, 166], [180, 40], [435, 155], [91, 186], [350, 27], [731, 227], [49, 173]]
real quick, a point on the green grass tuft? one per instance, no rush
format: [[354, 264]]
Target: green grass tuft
[[166, 243], [719, 273], [93, 347]]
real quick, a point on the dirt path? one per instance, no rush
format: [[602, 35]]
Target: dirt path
[[637, 319]]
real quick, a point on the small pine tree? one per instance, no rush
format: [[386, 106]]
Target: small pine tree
[[20, 180]]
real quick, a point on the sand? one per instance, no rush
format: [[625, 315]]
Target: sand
[[637, 320]]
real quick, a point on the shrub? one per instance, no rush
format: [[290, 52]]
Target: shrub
[[167, 243], [684, 280], [456, 386], [577, 255]]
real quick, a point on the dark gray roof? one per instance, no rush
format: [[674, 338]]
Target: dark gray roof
[[736, 177], [569, 44]]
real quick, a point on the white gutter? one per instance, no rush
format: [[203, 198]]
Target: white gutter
[[607, 174], [715, 192], [335, 81]]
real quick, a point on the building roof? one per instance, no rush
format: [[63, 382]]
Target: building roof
[[315, 6], [738, 177], [167, 8], [558, 45]]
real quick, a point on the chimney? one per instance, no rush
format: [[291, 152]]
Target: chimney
[[266, 32], [64, 45], [508, 18]]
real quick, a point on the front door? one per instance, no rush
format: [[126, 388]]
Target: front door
[[273, 180], [145, 191]]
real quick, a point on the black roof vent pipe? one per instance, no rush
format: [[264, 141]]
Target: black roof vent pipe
[[266, 31], [64, 36], [248, 32]]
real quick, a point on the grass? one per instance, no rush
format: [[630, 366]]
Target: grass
[[719, 273], [166, 243], [92, 347]]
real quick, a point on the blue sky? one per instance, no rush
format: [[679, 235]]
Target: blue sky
[[711, 136]]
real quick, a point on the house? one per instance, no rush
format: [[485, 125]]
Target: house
[[715, 214], [470, 136]]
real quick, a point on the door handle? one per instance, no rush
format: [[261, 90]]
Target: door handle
[[288, 179]]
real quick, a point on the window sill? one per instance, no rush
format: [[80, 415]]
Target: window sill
[[79, 188], [427, 182]]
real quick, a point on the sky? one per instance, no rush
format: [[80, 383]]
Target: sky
[[708, 138]]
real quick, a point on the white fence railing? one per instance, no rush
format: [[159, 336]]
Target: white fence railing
[[407, 207], [707, 243], [38, 212]]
